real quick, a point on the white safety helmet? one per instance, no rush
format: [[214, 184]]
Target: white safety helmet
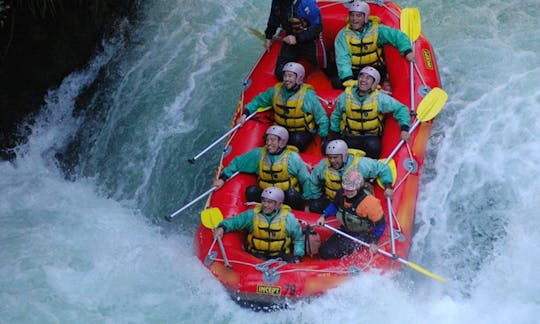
[[372, 72], [360, 6], [338, 147], [279, 131], [352, 180], [297, 69], [275, 194]]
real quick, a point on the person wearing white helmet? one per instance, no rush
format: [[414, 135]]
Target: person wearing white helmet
[[325, 179], [360, 215], [359, 114], [274, 232], [295, 105], [275, 165], [360, 43], [301, 23]]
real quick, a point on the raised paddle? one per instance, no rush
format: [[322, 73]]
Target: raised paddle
[[201, 196], [193, 159], [428, 108], [411, 25], [210, 218], [383, 252]]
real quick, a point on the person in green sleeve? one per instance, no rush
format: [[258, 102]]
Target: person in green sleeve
[[274, 232], [326, 178], [296, 107], [275, 165], [361, 42], [358, 117]]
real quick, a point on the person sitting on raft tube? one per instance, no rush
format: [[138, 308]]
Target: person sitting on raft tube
[[360, 44], [358, 117], [275, 164], [296, 107], [273, 230], [325, 179], [302, 23], [360, 215]]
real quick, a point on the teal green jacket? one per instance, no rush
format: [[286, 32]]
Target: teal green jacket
[[249, 163], [311, 106], [386, 105], [368, 167], [387, 36], [244, 221]]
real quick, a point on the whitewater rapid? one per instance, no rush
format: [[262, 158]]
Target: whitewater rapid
[[83, 238]]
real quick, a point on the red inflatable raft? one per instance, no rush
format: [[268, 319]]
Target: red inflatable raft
[[255, 282]]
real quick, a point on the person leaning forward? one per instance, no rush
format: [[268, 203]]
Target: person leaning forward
[[361, 42], [301, 20], [273, 230], [358, 116], [296, 107], [275, 164], [360, 215], [325, 179]]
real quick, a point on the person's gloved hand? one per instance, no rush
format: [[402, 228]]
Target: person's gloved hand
[[320, 221]]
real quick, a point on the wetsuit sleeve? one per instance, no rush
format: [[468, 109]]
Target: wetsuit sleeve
[[371, 169], [298, 169], [330, 210], [316, 182], [263, 99], [246, 163], [242, 221], [313, 106], [294, 230], [394, 37], [335, 117], [273, 20], [400, 112], [343, 57]]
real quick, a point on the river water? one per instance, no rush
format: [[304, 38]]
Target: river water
[[81, 208]]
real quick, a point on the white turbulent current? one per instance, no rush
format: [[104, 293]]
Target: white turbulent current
[[84, 241]]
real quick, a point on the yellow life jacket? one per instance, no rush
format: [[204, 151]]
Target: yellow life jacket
[[364, 51], [288, 113], [276, 174], [332, 177], [360, 118], [269, 239]]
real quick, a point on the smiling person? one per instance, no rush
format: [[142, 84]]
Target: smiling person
[[296, 107], [358, 117], [273, 230], [326, 178], [275, 165], [361, 42], [360, 215]]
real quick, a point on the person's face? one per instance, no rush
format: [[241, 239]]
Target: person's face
[[272, 143], [289, 79], [357, 20], [268, 205], [349, 193], [336, 161], [365, 82]]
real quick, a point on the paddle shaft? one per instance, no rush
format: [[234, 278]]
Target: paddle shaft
[[401, 142], [206, 193], [192, 160], [222, 248], [391, 220], [383, 252]]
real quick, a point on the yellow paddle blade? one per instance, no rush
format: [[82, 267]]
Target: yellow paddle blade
[[392, 165], [257, 33], [410, 23], [424, 271], [211, 217], [431, 105]]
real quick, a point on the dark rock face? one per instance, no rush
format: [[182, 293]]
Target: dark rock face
[[37, 50]]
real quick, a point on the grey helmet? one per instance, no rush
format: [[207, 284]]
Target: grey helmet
[[338, 147], [372, 72], [297, 69], [279, 131]]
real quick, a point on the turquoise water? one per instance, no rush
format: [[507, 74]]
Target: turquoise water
[[85, 241]]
